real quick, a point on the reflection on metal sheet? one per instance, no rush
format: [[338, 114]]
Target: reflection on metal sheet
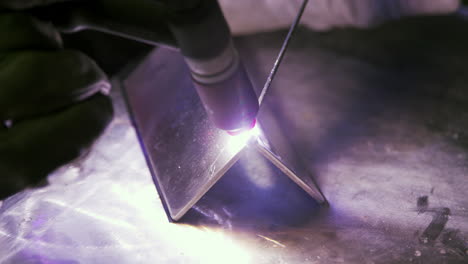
[[186, 152], [104, 209]]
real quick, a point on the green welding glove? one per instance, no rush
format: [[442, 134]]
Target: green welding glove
[[53, 101]]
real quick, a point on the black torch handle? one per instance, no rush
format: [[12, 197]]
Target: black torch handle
[[196, 27]]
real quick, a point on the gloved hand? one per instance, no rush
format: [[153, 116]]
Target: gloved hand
[[53, 101], [325, 14]]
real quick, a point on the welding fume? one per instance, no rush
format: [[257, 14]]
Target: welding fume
[[54, 101]]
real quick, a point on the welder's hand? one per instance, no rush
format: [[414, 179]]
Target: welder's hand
[[53, 101], [247, 16]]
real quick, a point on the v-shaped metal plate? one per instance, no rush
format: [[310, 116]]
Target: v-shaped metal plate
[[186, 153]]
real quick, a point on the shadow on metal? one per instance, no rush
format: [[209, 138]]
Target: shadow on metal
[[253, 194]]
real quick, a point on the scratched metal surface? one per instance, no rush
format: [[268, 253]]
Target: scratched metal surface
[[188, 153], [381, 119]]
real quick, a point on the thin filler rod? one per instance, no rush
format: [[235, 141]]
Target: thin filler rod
[[284, 47]]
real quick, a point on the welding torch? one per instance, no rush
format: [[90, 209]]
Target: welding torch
[[197, 28]]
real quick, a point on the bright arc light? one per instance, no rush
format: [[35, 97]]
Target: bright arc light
[[237, 142]]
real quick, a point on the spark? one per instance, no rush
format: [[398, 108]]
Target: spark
[[272, 241]]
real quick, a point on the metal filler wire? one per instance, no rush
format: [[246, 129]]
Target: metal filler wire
[[284, 47]]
